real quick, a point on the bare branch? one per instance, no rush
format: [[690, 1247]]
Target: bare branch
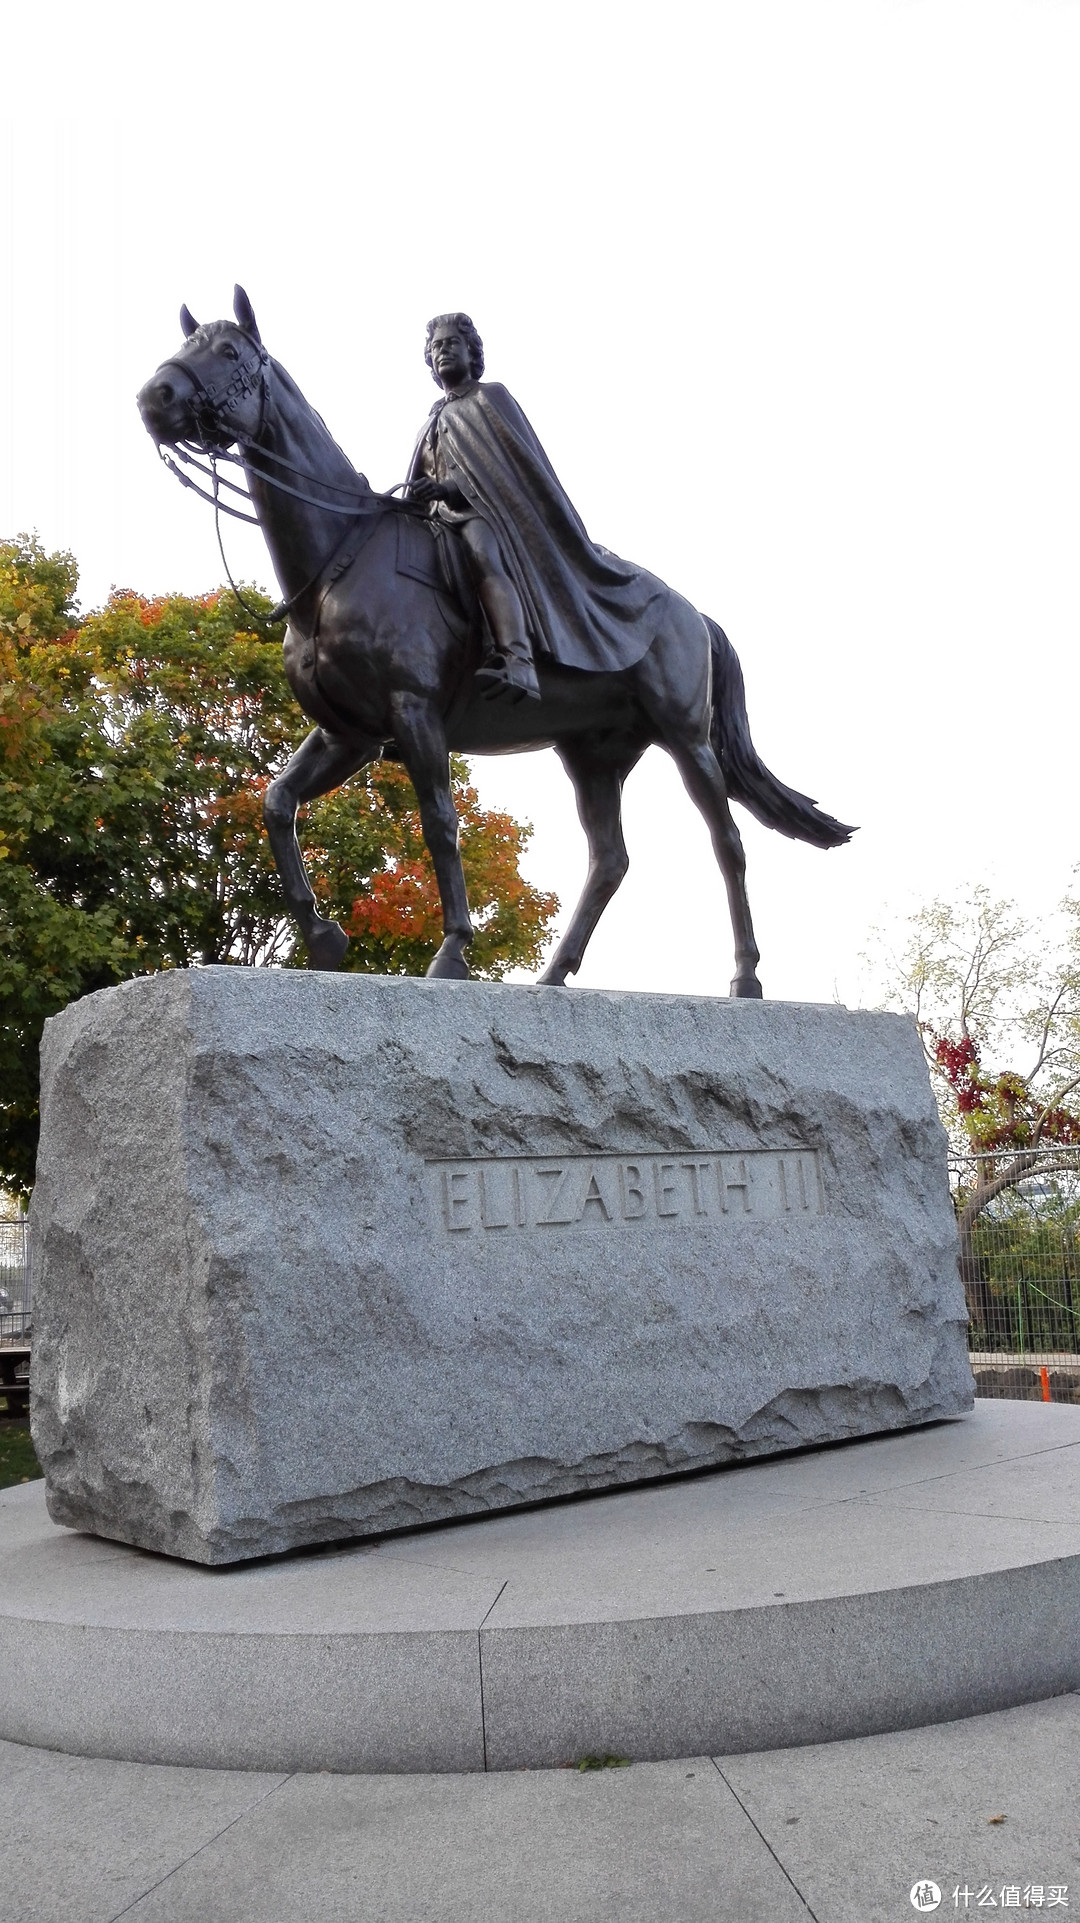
[[985, 1193], [1056, 1103], [1046, 1027]]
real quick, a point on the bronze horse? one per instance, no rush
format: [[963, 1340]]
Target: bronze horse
[[381, 653]]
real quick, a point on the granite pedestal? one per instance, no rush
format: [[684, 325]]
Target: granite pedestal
[[319, 1257], [908, 1579]]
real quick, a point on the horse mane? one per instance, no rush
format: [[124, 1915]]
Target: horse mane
[[288, 387]]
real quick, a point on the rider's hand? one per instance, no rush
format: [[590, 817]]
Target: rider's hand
[[425, 491]]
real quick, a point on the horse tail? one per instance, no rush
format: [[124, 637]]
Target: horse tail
[[748, 779]]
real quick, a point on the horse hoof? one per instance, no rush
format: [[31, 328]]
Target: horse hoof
[[552, 977], [326, 946], [449, 968], [746, 988]]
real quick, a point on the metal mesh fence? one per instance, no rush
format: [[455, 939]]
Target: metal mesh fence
[[15, 1282], [1019, 1221]]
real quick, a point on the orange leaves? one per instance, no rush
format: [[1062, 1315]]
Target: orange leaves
[[149, 612], [402, 904], [394, 917]]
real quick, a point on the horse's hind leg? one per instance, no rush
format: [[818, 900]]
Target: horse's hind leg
[[674, 684], [597, 772], [704, 780], [319, 765]]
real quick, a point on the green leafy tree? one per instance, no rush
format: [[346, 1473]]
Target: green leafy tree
[[1026, 1256], [135, 749], [58, 938]]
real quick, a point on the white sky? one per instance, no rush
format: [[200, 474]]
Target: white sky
[[789, 289]]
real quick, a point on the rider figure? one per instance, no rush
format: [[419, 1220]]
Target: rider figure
[[543, 584], [455, 355]]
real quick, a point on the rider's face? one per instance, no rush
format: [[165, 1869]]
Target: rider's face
[[450, 356]]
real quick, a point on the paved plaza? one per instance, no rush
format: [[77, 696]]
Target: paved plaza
[[838, 1832], [964, 1816]]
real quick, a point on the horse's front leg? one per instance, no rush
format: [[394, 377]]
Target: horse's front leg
[[319, 765], [421, 738]]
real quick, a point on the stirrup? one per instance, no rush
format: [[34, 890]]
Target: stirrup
[[510, 676]]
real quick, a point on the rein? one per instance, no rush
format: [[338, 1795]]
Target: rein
[[182, 449], [283, 608], [212, 399]]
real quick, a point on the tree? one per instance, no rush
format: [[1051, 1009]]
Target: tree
[[998, 1010], [135, 749], [53, 945]]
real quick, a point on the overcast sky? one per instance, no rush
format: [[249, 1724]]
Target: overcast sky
[[789, 289]]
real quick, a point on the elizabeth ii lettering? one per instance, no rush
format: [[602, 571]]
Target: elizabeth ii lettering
[[687, 1189]]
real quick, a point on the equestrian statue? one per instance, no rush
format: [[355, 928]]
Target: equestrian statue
[[473, 615]]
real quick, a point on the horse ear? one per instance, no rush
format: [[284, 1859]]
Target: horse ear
[[245, 314], [188, 322]]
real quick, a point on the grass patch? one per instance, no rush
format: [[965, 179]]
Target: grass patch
[[602, 1762], [18, 1463]]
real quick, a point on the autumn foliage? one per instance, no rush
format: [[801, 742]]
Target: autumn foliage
[[986, 985], [136, 745], [997, 1001], [999, 1111]]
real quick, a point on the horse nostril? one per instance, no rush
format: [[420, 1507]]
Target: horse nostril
[[165, 393]]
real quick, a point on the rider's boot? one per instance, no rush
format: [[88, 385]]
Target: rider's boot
[[507, 669], [502, 673]]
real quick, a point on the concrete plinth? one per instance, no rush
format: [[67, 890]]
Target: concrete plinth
[[318, 1257], [878, 1585]]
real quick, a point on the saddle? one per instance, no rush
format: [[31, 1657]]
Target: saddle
[[432, 554]]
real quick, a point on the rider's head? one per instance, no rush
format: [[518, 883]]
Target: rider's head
[[460, 325]]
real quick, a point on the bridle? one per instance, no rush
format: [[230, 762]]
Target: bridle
[[238, 380], [212, 401]]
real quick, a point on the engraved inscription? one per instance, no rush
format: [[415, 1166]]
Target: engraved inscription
[[598, 1191]]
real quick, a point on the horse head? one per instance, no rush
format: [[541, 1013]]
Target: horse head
[[212, 390]]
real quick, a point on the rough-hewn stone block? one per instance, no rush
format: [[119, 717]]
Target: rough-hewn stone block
[[321, 1255]]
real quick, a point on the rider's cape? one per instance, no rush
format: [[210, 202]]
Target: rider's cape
[[583, 605]]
